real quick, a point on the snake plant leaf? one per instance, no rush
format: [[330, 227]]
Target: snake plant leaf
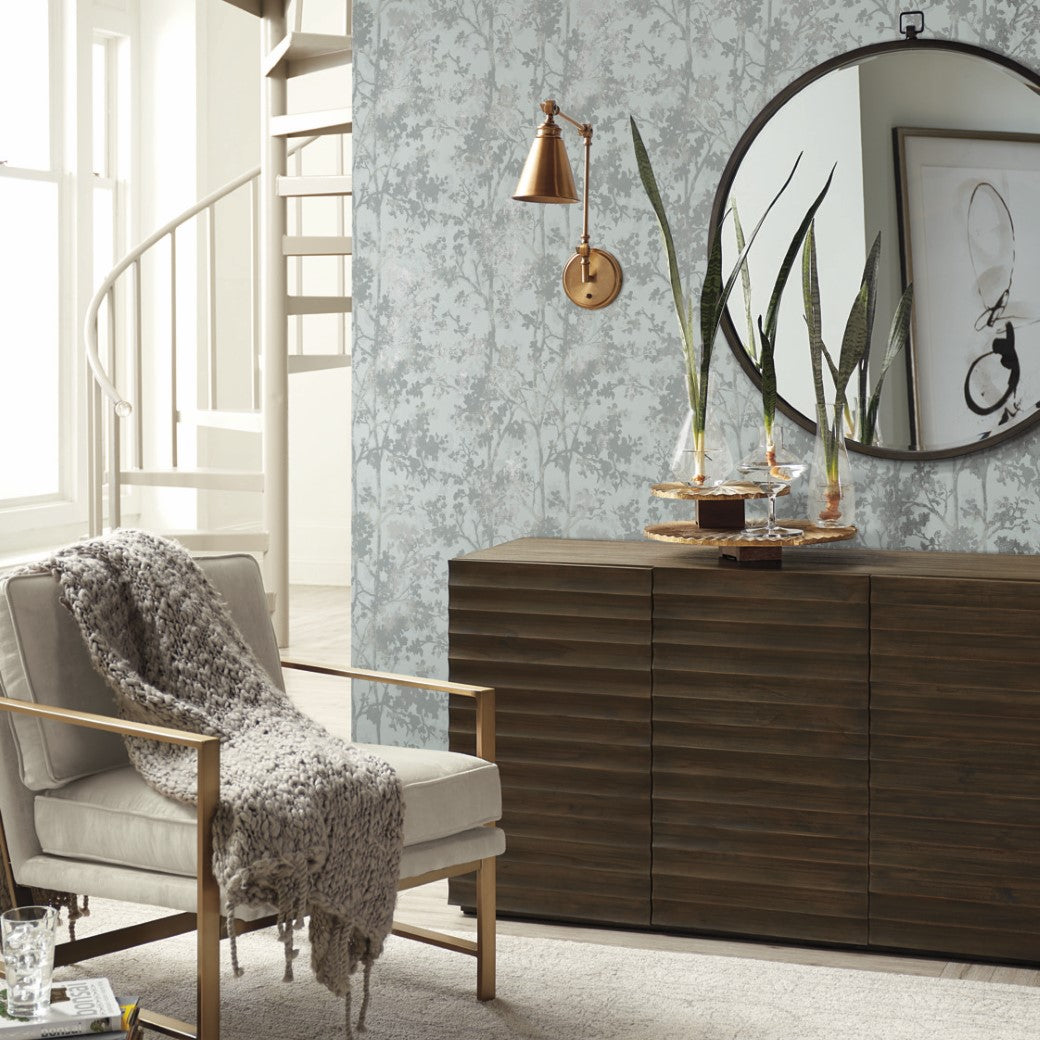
[[714, 302], [767, 369], [646, 175], [830, 364], [854, 342], [714, 293], [692, 386], [811, 298], [898, 337], [711, 291], [870, 272], [751, 345], [772, 312]]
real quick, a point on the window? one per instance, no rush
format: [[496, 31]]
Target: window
[[30, 178], [51, 253]]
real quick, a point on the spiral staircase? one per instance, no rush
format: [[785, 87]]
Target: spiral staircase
[[162, 387]]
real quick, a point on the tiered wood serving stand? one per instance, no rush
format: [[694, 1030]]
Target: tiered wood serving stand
[[719, 517]]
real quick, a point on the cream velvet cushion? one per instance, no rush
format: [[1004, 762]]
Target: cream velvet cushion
[[115, 817], [43, 659]]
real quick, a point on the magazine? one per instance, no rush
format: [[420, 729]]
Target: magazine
[[84, 1006]]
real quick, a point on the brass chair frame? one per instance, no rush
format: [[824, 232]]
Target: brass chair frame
[[207, 921]]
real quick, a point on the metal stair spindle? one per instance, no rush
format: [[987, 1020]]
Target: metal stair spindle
[[274, 337]]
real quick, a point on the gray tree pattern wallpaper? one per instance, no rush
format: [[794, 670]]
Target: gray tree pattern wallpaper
[[488, 407]]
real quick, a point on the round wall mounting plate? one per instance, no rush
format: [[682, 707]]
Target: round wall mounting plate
[[604, 280]]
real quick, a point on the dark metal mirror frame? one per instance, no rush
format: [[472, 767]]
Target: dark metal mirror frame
[[718, 212]]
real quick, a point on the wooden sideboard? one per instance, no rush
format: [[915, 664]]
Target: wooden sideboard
[[846, 750]]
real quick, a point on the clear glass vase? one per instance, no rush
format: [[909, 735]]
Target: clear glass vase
[[773, 469], [832, 484], [701, 460]]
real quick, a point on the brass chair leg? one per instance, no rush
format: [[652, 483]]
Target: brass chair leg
[[207, 908], [486, 929]]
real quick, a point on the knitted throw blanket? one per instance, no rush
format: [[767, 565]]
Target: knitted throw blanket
[[306, 823]]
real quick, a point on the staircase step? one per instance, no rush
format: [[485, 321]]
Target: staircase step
[[316, 245], [299, 53], [244, 422], [203, 479], [317, 362], [318, 305], [222, 541], [250, 6], [304, 124], [295, 187]]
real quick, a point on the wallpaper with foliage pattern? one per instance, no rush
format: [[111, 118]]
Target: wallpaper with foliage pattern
[[486, 406]]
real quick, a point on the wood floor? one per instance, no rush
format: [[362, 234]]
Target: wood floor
[[320, 631]]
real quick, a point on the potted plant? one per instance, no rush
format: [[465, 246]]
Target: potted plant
[[713, 298], [831, 488]]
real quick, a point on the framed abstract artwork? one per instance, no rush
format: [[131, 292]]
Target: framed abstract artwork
[[970, 242]]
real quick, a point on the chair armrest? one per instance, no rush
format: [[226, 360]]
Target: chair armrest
[[483, 695], [109, 724], [207, 783]]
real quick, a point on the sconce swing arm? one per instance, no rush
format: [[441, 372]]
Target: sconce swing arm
[[550, 108], [592, 278]]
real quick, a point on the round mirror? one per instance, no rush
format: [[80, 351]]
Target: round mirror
[[936, 147]]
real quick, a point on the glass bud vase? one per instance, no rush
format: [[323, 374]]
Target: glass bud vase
[[832, 485], [701, 459]]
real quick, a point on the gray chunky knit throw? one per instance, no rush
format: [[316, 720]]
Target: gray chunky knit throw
[[306, 823]]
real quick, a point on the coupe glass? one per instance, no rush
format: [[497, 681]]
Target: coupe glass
[[772, 470]]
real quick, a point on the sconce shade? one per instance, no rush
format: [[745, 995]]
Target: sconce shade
[[546, 176]]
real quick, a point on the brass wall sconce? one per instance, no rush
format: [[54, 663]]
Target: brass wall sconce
[[592, 277]]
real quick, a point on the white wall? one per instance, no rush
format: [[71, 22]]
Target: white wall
[[823, 123], [229, 129], [167, 184]]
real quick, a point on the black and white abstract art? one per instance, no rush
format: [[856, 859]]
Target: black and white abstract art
[[971, 246]]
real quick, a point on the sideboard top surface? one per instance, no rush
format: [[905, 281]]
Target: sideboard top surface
[[585, 552]]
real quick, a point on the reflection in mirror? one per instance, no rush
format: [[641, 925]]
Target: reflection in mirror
[[971, 241]]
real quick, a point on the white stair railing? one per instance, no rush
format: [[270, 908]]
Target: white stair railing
[[125, 349]]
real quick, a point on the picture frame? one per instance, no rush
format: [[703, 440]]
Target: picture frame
[[969, 231]]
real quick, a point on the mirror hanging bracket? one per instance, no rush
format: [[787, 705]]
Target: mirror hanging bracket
[[911, 24]]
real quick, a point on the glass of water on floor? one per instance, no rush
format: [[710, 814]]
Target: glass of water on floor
[[27, 934]]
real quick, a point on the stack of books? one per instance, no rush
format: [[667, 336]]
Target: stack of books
[[86, 1008]]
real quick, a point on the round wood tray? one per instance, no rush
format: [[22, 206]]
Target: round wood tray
[[686, 532], [731, 491]]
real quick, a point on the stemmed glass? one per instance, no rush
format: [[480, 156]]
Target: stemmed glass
[[771, 470]]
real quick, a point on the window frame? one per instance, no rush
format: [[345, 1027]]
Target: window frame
[[29, 523]]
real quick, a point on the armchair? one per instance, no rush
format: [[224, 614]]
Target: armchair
[[76, 817]]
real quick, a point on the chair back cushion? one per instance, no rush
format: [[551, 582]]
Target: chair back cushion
[[43, 659]]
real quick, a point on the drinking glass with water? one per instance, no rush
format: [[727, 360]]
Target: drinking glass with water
[[27, 934]]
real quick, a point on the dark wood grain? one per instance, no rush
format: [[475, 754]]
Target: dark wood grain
[[955, 766], [568, 650], [775, 780]]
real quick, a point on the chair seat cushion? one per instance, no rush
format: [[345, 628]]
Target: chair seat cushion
[[115, 817]]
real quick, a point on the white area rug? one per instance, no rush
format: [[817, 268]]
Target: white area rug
[[559, 990]]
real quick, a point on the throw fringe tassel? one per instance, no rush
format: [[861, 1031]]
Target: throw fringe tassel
[[365, 997], [64, 901], [286, 925], [232, 930], [285, 935]]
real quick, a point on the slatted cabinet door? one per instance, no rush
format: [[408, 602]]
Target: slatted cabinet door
[[760, 752], [568, 650], [955, 766]]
